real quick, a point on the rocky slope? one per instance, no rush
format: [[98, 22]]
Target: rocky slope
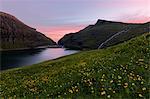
[[103, 34], [15, 34]]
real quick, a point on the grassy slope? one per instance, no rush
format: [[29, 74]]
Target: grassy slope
[[121, 71]]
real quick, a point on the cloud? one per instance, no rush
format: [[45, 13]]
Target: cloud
[[138, 17], [59, 31]]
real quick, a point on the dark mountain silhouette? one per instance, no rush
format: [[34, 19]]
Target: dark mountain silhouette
[[103, 34], [15, 34]]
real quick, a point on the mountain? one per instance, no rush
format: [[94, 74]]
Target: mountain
[[118, 72], [103, 34], [15, 34]]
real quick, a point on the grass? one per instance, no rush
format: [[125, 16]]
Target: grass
[[118, 72]]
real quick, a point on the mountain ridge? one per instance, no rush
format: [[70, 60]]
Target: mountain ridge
[[16, 34], [92, 36]]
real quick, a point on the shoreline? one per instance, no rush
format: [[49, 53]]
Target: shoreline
[[39, 47]]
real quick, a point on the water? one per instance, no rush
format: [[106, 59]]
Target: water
[[13, 59]]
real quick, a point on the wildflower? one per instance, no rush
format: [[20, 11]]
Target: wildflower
[[131, 74], [75, 86], [114, 91], [140, 95], [141, 60], [111, 81], [102, 88], [112, 75], [146, 67], [119, 84], [77, 90], [70, 91], [103, 75], [103, 93], [119, 77], [139, 78], [119, 80], [59, 96], [85, 81], [108, 96], [142, 82], [133, 84], [125, 85], [143, 88], [90, 83]]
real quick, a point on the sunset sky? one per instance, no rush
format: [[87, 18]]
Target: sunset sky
[[55, 18]]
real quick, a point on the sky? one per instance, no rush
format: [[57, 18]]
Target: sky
[[55, 18]]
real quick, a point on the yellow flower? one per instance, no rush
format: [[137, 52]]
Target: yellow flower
[[133, 84], [119, 77], [77, 90], [141, 60], [139, 78], [125, 85], [143, 88], [103, 93], [140, 95], [108, 96], [111, 81], [110, 88], [59, 96], [90, 83], [70, 91], [75, 86], [142, 82], [114, 91]]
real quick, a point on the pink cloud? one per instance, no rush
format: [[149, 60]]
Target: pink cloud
[[138, 17], [123, 3], [56, 33], [139, 20]]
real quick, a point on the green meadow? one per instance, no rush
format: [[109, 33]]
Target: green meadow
[[117, 72]]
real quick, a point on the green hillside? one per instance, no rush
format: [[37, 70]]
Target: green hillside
[[93, 36], [118, 72]]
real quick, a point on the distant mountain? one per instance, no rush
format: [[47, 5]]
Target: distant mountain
[[103, 34], [15, 34]]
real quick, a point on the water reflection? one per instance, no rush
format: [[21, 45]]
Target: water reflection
[[12, 59]]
